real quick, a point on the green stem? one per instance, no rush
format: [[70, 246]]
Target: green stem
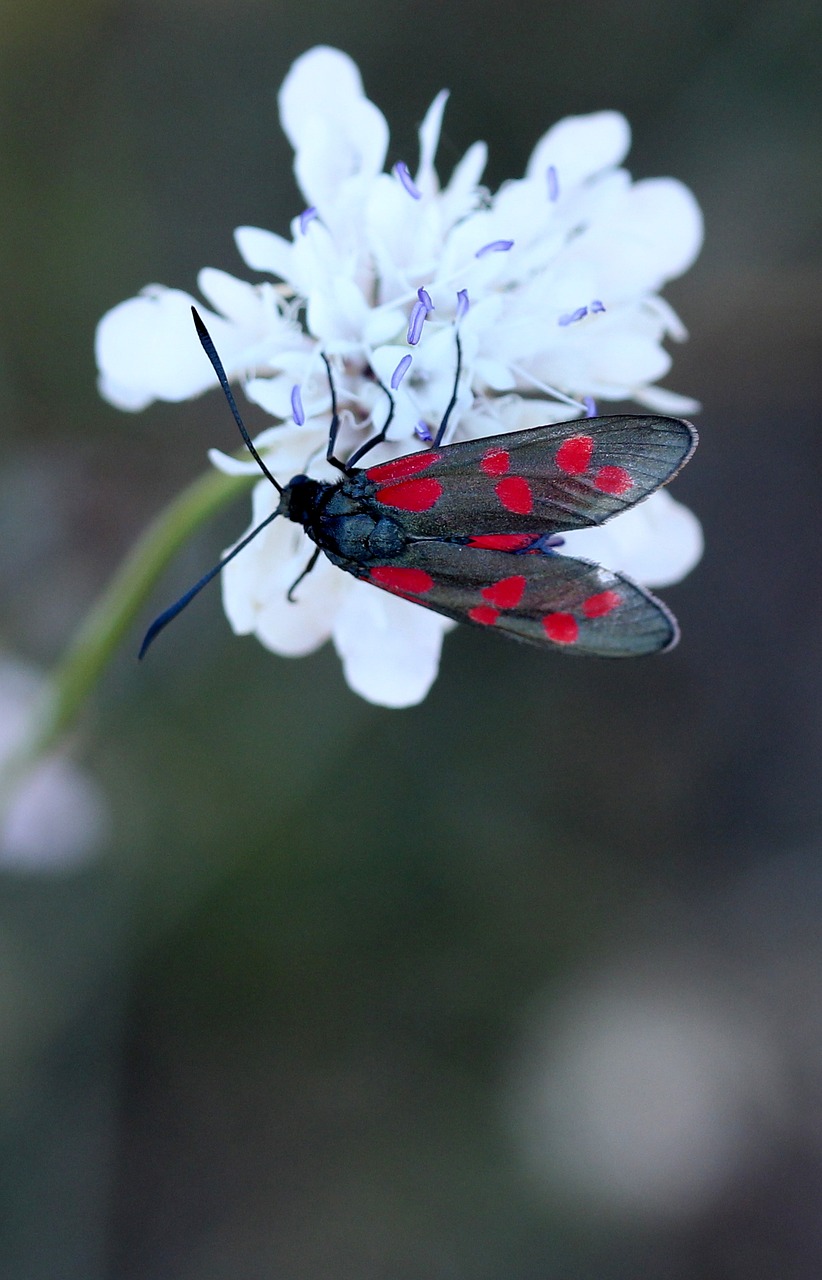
[[110, 617]]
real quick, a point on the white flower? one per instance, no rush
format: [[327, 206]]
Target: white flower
[[55, 816], [561, 269]]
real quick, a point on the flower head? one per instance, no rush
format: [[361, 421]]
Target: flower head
[[552, 280]]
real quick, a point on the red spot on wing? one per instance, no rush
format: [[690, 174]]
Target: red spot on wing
[[402, 468], [502, 541], [514, 492], [397, 578], [574, 455], [615, 480], [484, 614], [597, 606], [413, 495], [560, 627], [507, 593], [494, 462]]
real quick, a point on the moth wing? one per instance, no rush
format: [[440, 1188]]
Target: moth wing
[[545, 480], [545, 599]]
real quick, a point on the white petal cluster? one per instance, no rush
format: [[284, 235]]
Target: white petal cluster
[[554, 283]]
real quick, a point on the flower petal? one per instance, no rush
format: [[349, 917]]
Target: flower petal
[[658, 542], [580, 146], [256, 583], [652, 234], [429, 140], [322, 81], [663, 401], [389, 647], [264, 251], [147, 349], [336, 132], [462, 193]]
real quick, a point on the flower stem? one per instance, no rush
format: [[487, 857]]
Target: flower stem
[[73, 679]]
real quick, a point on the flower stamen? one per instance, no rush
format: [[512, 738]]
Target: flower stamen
[[494, 246], [553, 184], [415, 323], [554, 392], [404, 174], [308, 215], [463, 303], [297, 406], [400, 372]]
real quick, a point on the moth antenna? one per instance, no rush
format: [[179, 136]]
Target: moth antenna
[[441, 432], [168, 615], [211, 351], [381, 434]]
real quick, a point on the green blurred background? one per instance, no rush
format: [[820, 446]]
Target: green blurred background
[[523, 983]]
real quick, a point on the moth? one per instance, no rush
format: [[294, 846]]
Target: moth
[[473, 530]]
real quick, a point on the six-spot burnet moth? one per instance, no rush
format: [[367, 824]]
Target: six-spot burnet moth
[[471, 530]]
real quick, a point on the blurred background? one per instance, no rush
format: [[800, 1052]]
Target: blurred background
[[521, 983]]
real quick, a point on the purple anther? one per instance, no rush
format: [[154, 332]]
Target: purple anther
[[462, 303], [596, 306], [590, 406], [495, 246], [415, 323], [297, 406], [553, 183], [425, 298], [404, 174], [423, 432], [573, 317], [307, 215], [400, 372], [554, 540]]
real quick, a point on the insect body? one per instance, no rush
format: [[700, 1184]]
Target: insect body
[[466, 529], [471, 529]]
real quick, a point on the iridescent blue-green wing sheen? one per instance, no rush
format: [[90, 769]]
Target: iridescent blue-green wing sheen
[[545, 599], [544, 480]]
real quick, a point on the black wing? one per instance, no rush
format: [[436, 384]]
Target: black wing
[[546, 599], [547, 479]]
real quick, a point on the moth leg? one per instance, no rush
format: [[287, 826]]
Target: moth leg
[[290, 593], [441, 431], [333, 431]]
